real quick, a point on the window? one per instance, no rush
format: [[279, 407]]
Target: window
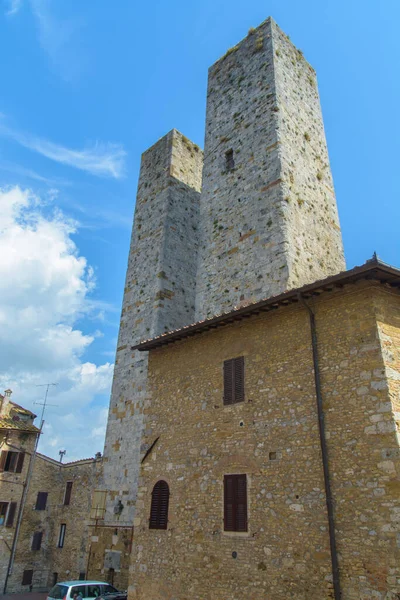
[[61, 536], [82, 576], [235, 503], [11, 461], [37, 540], [27, 577], [58, 592], [55, 578], [159, 506], [98, 505], [67, 494], [234, 380], [229, 160], [78, 589], [41, 501], [7, 513]]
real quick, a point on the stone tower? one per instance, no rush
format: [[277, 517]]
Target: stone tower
[[268, 216], [159, 296]]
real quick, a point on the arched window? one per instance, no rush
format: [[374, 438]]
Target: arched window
[[159, 506]]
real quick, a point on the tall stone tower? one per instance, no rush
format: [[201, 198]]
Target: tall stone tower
[[268, 216], [159, 296]]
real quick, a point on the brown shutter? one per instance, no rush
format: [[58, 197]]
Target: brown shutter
[[37, 540], [229, 503], [20, 462], [228, 381], [27, 577], [68, 491], [3, 456], [241, 503], [234, 380], [41, 501], [235, 503], [239, 379], [11, 514], [159, 506]]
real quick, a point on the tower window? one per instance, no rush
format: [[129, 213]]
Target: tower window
[[229, 160], [159, 506]]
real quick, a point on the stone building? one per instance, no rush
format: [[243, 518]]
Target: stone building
[[53, 542], [18, 437], [308, 434], [259, 219], [45, 507]]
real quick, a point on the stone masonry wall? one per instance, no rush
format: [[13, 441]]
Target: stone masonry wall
[[11, 489], [71, 560], [159, 295], [269, 221], [314, 240], [273, 437]]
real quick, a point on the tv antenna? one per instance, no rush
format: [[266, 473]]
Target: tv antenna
[[45, 403]]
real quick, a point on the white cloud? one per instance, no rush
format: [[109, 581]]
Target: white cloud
[[44, 288], [102, 159], [13, 7]]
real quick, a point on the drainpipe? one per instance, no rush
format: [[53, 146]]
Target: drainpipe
[[324, 452]]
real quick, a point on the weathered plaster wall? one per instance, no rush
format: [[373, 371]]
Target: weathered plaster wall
[[271, 222], [286, 552]]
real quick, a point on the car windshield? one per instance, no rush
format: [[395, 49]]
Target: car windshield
[[58, 591]]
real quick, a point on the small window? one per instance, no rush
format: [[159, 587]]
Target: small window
[[229, 160], [11, 461], [7, 513], [41, 501], [3, 512], [67, 494], [159, 506], [37, 540], [61, 537], [235, 503], [82, 575], [27, 577], [55, 578], [234, 380]]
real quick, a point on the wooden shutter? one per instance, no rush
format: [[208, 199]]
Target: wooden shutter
[[3, 456], [159, 506], [27, 577], [41, 501], [68, 491], [234, 380], [20, 462], [11, 514], [235, 503], [37, 540]]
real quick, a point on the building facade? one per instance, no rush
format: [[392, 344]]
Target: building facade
[[18, 437], [244, 512], [259, 219]]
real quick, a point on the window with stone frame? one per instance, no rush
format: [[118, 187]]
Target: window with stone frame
[[7, 513], [159, 506], [11, 461]]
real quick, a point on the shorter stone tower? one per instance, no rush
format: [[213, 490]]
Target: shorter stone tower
[[268, 212], [159, 296]]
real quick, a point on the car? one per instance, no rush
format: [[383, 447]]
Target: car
[[88, 590]]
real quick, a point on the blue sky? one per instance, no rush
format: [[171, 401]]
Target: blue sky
[[86, 88]]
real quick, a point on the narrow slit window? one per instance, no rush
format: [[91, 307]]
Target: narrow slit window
[[68, 492], [229, 160], [61, 536], [159, 506]]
